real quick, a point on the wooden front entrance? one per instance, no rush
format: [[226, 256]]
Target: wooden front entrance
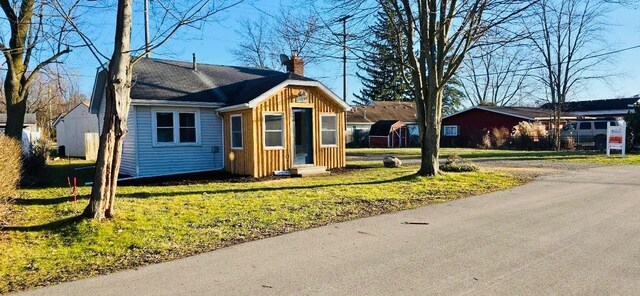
[[302, 127]]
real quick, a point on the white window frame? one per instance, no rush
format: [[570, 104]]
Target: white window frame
[[335, 116], [264, 131], [231, 132], [176, 127], [447, 127]]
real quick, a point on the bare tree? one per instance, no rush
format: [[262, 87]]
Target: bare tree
[[265, 39], [255, 46], [173, 14], [567, 38], [52, 93], [37, 38], [497, 75], [443, 31]]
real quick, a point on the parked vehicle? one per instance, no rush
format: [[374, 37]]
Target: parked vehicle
[[587, 133]]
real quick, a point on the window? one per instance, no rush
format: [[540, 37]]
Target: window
[[273, 124], [600, 125], [173, 127], [187, 127], [585, 126], [450, 130], [236, 131], [328, 127], [164, 127]]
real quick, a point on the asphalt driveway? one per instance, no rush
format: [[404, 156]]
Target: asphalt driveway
[[572, 233]]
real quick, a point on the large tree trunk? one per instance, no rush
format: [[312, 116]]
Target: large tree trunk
[[114, 129], [430, 139], [16, 106]]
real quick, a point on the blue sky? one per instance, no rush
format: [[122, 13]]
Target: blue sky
[[213, 44]]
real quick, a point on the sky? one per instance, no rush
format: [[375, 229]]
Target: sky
[[214, 41]]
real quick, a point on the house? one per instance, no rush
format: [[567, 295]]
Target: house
[[30, 122], [388, 134], [71, 128], [598, 109], [191, 117], [466, 128], [361, 118]]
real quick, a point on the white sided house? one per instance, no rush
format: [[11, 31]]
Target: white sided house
[[72, 127], [183, 116]]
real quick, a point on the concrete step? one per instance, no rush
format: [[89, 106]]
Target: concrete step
[[309, 170]]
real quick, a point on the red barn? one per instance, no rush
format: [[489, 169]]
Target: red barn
[[465, 128], [388, 134]]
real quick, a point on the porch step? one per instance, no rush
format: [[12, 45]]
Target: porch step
[[309, 170]]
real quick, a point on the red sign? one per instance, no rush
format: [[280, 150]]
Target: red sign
[[615, 139]]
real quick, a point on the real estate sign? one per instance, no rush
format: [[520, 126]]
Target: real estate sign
[[616, 137]]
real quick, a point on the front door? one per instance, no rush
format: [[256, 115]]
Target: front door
[[302, 136]]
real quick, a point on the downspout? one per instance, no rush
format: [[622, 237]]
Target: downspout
[[221, 150]]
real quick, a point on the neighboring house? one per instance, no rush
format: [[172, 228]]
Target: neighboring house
[[598, 109], [30, 123], [362, 117], [388, 134], [71, 128], [188, 117], [466, 128]]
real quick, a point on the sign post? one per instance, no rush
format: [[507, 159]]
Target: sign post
[[616, 137]]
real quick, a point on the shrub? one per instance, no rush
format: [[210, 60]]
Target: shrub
[[10, 165], [34, 164], [500, 137], [485, 141], [529, 136], [456, 164]]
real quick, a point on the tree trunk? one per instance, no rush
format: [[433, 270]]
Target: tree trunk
[[430, 139], [556, 131], [114, 129], [16, 107]]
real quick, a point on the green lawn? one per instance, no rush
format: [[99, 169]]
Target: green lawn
[[468, 153], [159, 223]]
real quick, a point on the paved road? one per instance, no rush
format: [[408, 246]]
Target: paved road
[[577, 233]]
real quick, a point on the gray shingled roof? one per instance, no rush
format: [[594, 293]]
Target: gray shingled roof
[[156, 79], [29, 118], [596, 105]]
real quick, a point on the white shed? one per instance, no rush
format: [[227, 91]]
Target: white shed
[[71, 127]]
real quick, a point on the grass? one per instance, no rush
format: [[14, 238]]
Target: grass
[[591, 157], [159, 223]]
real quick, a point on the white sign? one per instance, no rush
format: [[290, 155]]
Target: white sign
[[616, 137]]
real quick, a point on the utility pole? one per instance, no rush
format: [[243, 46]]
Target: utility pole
[[147, 47], [344, 55]]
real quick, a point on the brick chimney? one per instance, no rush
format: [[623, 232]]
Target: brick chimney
[[295, 64]]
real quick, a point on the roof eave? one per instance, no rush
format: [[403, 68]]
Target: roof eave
[[234, 108], [165, 103]]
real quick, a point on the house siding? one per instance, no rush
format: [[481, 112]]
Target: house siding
[[472, 124], [176, 159], [128, 160]]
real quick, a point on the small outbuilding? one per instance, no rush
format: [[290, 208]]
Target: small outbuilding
[[360, 119], [71, 128], [389, 134]]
